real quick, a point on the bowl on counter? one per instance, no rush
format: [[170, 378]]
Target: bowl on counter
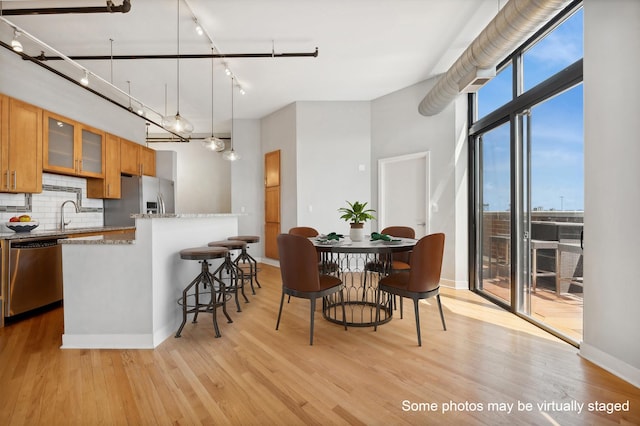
[[22, 226]]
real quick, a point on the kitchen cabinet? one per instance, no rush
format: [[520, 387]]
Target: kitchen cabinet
[[109, 187], [148, 161], [136, 159], [20, 146], [72, 148]]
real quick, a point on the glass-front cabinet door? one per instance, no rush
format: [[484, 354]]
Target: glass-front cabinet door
[[91, 152], [59, 144], [72, 148]]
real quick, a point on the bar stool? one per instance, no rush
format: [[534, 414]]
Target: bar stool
[[246, 258], [203, 254], [236, 275]]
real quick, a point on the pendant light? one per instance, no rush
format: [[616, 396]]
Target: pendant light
[[177, 123], [213, 143], [231, 155]]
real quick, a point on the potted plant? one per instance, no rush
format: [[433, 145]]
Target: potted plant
[[357, 214]]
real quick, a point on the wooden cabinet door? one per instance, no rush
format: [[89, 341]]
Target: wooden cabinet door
[[129, 157], [112, 167], [109, 187], [59, 146], [147, 161], [271, 203], [24, 148], [4, 144]]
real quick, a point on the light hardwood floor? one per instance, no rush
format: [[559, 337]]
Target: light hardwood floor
[[254, 375]]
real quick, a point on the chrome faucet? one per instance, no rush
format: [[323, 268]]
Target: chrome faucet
[[63, 224]]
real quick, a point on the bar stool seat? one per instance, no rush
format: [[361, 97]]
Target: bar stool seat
[[236, 275], [248, 260], [203, 255]]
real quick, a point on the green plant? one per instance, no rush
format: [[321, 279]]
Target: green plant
[[356, 212]]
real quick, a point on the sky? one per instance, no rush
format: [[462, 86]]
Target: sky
[[557, 137]]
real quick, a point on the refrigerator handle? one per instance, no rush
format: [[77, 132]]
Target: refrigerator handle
[[161, 209]]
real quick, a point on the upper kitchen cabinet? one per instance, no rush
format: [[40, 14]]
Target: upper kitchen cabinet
[[136, 159], [72, 148], [109, 187], [20, 146]]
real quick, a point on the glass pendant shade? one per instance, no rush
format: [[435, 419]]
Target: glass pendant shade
[[178, 124], [230, 155], [213, 143]]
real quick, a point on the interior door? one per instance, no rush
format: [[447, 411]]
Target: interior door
[[271, 203], [404, 195]]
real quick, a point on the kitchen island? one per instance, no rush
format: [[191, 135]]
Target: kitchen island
[[122, 292]]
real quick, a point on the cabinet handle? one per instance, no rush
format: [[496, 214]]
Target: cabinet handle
[[15, 179], [8, 180], [108, 189], [79, 165], [141, 169]]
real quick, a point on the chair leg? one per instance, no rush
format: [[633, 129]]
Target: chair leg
[[214, 304], [344, 312], [196, 281], [417, 313], [375, 324], [441, 313], [280, 311], [313, 310]]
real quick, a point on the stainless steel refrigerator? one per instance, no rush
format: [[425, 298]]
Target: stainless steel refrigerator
[[139, 194]]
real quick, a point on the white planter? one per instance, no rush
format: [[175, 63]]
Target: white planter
[[357, 233]]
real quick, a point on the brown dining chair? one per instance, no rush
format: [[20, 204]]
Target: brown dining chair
[[422, 281], [400, 261], [304, 231], [300, 276], [326, 266]]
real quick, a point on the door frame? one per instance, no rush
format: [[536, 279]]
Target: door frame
[[382, 176]]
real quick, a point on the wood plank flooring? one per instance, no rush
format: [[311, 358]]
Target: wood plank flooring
[[254, 375]]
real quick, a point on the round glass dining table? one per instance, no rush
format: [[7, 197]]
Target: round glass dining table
[[360, 265]]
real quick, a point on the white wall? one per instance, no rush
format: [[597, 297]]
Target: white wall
[[203, 182], [247, 177], [398, 129], [30, 83], [333, 142], [612, 199], [278, 132]]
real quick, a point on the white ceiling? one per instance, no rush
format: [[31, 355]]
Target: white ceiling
[[367, 49]]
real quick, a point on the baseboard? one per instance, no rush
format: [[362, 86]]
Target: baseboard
[[610, 363], [271, 262], [107, 341], [456, 285]]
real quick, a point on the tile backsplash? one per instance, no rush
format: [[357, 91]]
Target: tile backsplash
[[45, 207]]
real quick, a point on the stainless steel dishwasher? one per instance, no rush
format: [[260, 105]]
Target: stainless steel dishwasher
[[35, 275]]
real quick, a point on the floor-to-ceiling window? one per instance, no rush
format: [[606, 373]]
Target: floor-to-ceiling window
[[527, 152]]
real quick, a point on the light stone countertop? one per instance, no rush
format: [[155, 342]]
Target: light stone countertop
[[115, 239], [185, 215], [53, 233]]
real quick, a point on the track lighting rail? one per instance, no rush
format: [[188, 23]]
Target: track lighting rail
[[182, 56], [109, 8]]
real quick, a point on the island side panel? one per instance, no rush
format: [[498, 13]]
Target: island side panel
[[170, 273], [107, 296], [125, 295]]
